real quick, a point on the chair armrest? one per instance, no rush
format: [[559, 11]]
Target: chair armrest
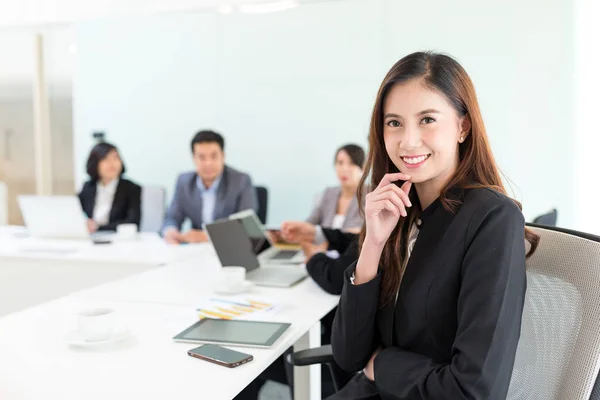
[[318, 355]]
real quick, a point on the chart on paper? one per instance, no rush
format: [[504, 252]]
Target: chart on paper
[[238, 307]]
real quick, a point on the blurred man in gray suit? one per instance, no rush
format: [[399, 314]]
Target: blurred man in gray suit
[[212, 192]]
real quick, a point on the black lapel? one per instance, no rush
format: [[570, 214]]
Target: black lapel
[[119, 201], [430, 236], [90, 199], [385, 319]]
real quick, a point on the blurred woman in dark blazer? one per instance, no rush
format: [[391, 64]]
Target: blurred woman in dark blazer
[[107, 199]]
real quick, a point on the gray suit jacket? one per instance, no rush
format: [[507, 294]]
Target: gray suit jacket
[[326, 208], [235, 193]]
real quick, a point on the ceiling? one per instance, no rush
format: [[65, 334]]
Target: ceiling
[[15, 13]]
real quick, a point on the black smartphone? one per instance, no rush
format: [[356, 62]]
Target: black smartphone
[[220, 355], [101, 241]]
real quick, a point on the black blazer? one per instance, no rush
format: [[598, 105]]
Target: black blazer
[[454, 329], [126, 207], [327, 272]]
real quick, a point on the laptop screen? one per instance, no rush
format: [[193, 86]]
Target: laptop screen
[[255, 232], [230, 240]]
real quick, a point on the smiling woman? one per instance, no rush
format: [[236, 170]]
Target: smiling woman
[[432, 308], [426, 123], [423, 141]]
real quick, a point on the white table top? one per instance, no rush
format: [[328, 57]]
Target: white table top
[[36, 362], [28, 282], [148, 249], [187, 283]]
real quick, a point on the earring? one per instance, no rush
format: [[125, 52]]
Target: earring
[[461, 139]]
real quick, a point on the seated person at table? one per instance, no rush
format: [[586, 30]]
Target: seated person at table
[[337, 208], [107, 199], [432, 308], [212, 192]]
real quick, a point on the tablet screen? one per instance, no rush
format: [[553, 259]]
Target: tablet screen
[[253, 333]]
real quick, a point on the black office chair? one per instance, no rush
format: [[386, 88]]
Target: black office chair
[[321, 355], [548, 219], [262, 195], [596, 390], [559, 346]]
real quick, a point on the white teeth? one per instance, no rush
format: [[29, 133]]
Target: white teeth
[[414, 160]]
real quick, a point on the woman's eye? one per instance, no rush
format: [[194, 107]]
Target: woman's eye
[[427, 120], [393, 124]]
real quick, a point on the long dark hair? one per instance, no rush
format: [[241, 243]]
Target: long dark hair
[[477, 167]]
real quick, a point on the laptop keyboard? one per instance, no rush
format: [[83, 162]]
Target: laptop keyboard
[[275, 274], [284, 254]]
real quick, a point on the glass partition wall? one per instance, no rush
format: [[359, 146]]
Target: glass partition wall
[[36, 134]]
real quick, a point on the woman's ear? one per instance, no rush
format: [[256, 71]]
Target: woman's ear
[[465, 128]]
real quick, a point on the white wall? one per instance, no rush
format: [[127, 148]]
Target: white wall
[[587, 137], [287, 89], [44, 12]]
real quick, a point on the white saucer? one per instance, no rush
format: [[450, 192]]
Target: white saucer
[[74, 338], [246, 286]]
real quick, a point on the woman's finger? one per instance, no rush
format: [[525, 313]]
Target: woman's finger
[[393, 198], [406, 187], [398, 191], [393, 177], [388, 205]]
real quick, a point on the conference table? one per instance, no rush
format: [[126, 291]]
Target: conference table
[[147, 249], [36, 270], [153, 303]]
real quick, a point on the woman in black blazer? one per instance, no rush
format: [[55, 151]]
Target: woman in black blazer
[[107, 199], [432, 308]]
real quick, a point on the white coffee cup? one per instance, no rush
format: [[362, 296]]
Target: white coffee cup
[[127, 231], [96, 324], [232, 278]]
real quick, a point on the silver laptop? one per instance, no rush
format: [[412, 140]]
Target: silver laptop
[[265, 250], [56, 217], [235, 247]]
